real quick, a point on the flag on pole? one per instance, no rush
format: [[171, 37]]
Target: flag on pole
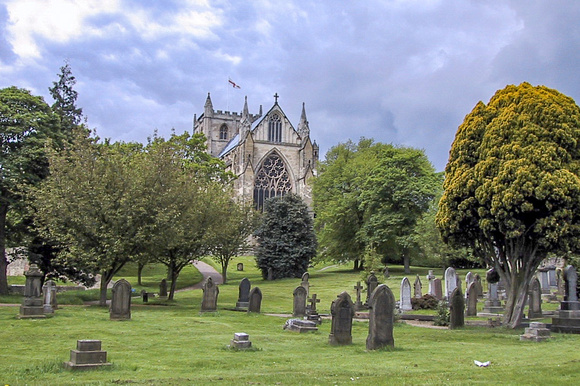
[[234, 85]]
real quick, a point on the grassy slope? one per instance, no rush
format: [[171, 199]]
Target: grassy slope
[[178, 345]]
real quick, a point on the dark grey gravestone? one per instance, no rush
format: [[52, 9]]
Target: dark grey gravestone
[[120, 301], [456, 309], [299, 307], [570, 302], [49, 292], [145, 296], [32, 305], [492, 304], [163, 289], [372, 283], [311, 313], [210, 295], [270, 274], [87, 356], [478, 285], [381, 318], [471, 299], [358, 305], [255, 300], [342, 311], [535, 299], [405, 302], [417, 287], [437, 289], [243, 294]]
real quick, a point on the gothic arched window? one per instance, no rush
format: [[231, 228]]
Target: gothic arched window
[[224, 132], [272, 180], [275, 129]]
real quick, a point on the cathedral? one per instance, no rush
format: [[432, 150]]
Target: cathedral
[[268, 155]]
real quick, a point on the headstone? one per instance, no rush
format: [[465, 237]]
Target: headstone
[[243, 294], [450, 282], [437, 289], [570, 301], [32, 302], [120, 301], [311, 313], [535, 299], [469, 278], [560, 281], [210, 295], [305, 283], [87, 356], [430, 277], [456, 309], [478, 285], [49, 292], [386, 273], [552, 277], [544, 280], [405, 303], [300, 325], [342, 311], [255, 300], [241, 341], [299, 308], [372, 283], [567, 318], [240, 267], [381, 318], [270, 274], [145, 296], [471, 299], [537, 332], [417, 288], [358, 305], [492, 303], [163, 289]]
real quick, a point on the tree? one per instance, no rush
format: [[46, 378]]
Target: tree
[[369, 197], [26, 125], [512, 187], [185, 190], [65, 97], [91, 206], [286, 239], [237, 223]]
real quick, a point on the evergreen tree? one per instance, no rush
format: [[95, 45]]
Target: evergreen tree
[[286, 239], [65, 98]]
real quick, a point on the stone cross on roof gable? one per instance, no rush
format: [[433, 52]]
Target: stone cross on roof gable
[[313, 302]]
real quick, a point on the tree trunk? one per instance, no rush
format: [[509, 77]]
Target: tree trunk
[[103, 290], [4, 290], [515, 302], [356, 266], [173, 284], [406, 263], [139, 271], [224, 272]]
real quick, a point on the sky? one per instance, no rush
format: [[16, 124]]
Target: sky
[[404, 72]]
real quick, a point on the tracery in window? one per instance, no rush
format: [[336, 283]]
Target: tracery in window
[[224, 132], [275, 129], [272, 180]]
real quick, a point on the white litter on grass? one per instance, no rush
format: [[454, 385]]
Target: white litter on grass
[[482, 364]]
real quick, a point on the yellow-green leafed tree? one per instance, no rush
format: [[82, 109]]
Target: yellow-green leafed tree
[[512, 186]]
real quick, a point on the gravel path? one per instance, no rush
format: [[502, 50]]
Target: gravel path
[[206, 270]]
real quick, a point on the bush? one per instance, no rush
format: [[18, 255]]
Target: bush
[[426, 302], [442, 317]]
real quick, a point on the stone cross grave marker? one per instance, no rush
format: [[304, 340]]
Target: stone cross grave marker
[[313, 300], [32, 306], [300, 295], [417, 287], [405, 303], [255, 300], [381, 318], [358, 305], [535, 302], [471, 294], [243, 294], [450, 282], [120, 301], [210, 295], [430, 277], [342, 311], [437, 289], [456, 309]]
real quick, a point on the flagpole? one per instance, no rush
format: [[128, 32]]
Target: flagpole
[[228, 97]]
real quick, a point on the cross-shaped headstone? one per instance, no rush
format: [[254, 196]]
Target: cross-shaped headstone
[[313, 302], [276, 97], [358, 288]]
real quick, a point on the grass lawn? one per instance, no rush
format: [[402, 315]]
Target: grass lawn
[[175, 345]]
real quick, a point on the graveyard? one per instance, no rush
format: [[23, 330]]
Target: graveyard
[[175, 343]]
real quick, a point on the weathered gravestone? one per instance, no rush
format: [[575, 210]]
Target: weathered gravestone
[[372, 283], [430, 277], [49, 292], [469, 278], [471, 294], [417, 288], [299, 307], [456, 309], [450, 282], [342, 311], [570, 301], [87, 356], [243, 294], [270, 276], [120, 301], [405, 303], [304, 283], [163, 289], [537, 332], [544, 279], [567, 318], [241, 341], [437, 289], [210, 295], [386, 274], [32, 307], [311, 313], [255, 300], [535, 299], [492, 303], [381, 318], [478, 285], [240, 267], [300, 325], [358, 305]]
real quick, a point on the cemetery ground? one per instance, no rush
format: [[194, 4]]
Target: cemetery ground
[[173, 343]]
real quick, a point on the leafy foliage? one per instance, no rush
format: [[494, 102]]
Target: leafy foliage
[[512, 187], [286, 240], [65, 97]]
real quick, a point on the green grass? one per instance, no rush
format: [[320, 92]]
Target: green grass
[[178, 345]]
